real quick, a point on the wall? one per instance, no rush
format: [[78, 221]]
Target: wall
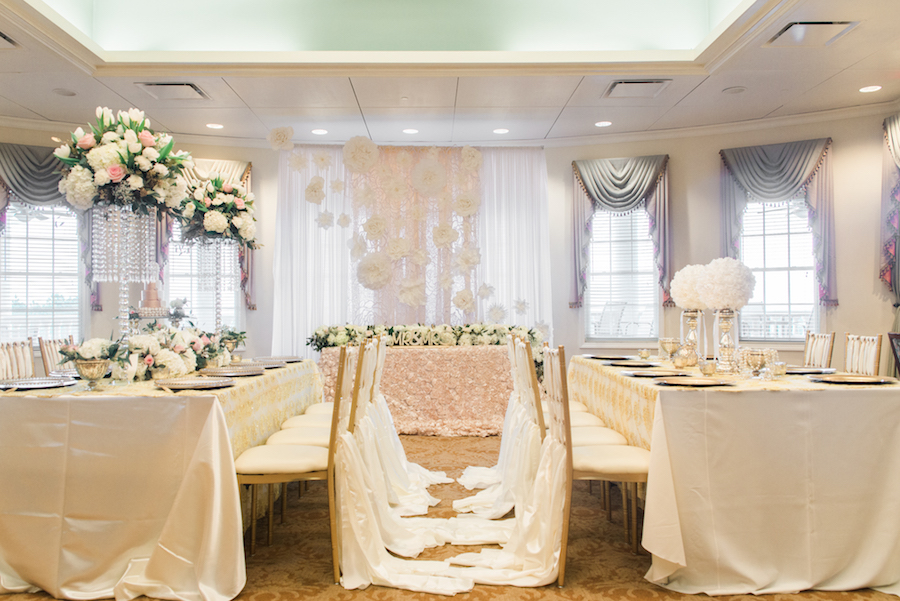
[[694, 164]]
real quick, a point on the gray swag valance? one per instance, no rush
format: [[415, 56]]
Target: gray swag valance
[[776, 173], [621, 186]]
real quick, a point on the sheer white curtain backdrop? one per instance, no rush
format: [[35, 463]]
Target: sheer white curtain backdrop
[[315, 276]]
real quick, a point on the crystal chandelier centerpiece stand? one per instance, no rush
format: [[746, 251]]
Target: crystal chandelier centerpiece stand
[[123, 250], [691, 331], [726, 341]]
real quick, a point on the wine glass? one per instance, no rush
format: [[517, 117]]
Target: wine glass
[[756, 359], [669, 346]]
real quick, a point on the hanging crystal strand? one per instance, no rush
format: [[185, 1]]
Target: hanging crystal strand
[[124, 268], [219, 244]]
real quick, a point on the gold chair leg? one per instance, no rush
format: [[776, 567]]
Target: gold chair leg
[[283, 500], [634, 520], [271, 534], [252, 519]]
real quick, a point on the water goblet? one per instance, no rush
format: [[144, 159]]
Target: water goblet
[[756, 360], [707, 368], [644, 354], [669, 346]]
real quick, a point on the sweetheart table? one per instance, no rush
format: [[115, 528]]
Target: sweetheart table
[[761, 487], [131, 490], [440, 390]]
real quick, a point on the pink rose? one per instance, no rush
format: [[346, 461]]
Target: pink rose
[[147, 138], [207, 201], [86, 142], [178, 348], [227, 188], [197, 346], [204, 339], [116, 172], [239, 203], [148, 360]]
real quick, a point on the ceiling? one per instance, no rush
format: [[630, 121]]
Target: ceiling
[[52, 78]]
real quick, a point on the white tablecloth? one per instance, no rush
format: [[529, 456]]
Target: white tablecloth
[[766, 487], [118, 496]]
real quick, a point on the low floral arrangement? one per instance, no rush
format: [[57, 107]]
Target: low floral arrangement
[[726, 284], [166, 352], [91, 350], [121, 161], [476, 334], [231, 335], [218, 209]]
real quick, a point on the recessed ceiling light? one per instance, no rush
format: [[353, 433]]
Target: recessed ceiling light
[[320, 132], [501, 130], [869, 89], [602, 123], [734, 90], [215, 126], [55, 139], [63, 92], [410, 130]]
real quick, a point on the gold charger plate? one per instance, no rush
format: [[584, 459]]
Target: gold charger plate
[[632, 363], [655, 373], [285, 359], [693, 381], [852, 379], [233, 371], [36, 383], [803, 370], [263, 364], [607, 357], [194, 383]]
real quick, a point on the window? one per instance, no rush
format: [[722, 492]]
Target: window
[[622, 293], [777, 245], [191, 274], [40, 273]]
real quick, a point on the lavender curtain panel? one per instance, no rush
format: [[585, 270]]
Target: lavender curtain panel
[[621, 186], [890, 215], [779, 172]]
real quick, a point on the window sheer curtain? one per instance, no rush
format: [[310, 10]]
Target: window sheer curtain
[[777, 173], [890, 216], [315, 274], [621, 185]]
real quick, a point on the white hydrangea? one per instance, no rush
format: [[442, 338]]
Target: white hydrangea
[[214, 221], [167, 364], [143, 343], [95, 348], [102, 157], [78, 187]]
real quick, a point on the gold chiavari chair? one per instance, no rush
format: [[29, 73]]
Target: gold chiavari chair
[[16, 360], [862, 354], [50, 356]]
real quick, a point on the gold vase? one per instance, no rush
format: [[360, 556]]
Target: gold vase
[[92, 371]]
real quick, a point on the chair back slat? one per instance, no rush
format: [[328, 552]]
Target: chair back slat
[[862, 354], [16, 360], [818, 350]]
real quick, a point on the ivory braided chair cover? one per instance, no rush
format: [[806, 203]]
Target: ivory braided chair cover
[[862, 355], [818, 350], [50, 354], [16, 360]]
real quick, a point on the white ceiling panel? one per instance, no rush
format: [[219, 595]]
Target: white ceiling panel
[[592, 88], [35, 91], [843, 90], [534, 91], [472, 124], [341, 123], [8, 108], [387, 125], [220, 94], [294, 92], [398, 92], [238, 122], [577, 121]]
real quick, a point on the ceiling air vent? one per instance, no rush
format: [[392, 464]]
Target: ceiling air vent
[[173, 91], [811, 33], [6, 41], [644, 88]]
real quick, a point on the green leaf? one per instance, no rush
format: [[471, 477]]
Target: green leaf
[[164, 153]]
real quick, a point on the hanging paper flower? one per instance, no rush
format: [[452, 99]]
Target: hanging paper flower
[[467, 204], [374, 270], [364, 197], [297, 161], [467, 259], [398, 248], [464, 300], [357, 246], [343, 220], [315, 191], [429, 177], [280, 138], [420, 257], [471, 158], [543, 328], [444, 235], [446, 281], [521, 307], [322, 160], [337, 186], [375, 227], [360, 154], [412, 292], [496, 313], [325, 219], [485, 291]]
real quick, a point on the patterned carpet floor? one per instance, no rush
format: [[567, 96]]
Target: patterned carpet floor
[[600, 564]]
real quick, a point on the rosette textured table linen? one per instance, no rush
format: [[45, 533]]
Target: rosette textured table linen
[[441, 390], [109, 496], [762, 487]]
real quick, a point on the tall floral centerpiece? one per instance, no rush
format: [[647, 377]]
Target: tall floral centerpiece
[[128, 175], [727, 286], [685, 293], [218, 213]]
